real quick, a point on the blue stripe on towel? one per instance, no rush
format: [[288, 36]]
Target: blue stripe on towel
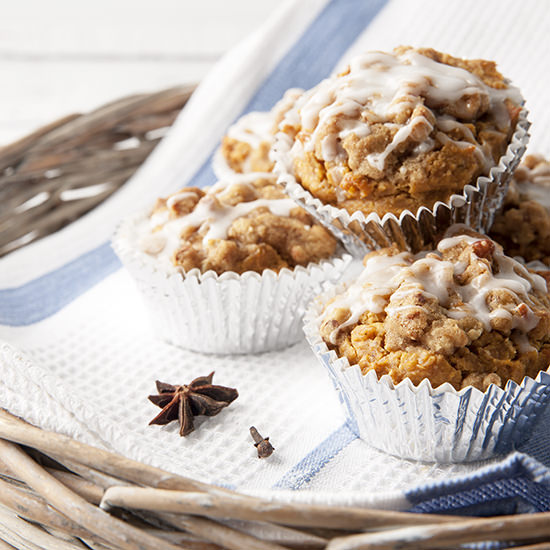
[[506, 496], [44, 296], [308, 61], [316, 459], [513, 486]]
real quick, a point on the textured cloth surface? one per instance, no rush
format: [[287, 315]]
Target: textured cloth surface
[[78, 355]]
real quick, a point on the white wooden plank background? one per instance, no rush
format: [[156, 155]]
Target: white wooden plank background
[[62, 56]]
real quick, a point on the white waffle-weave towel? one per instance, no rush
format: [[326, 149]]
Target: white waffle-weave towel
[[77, 354]]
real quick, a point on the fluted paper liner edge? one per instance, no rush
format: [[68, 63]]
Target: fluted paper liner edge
[[424, 423], [360, 233]]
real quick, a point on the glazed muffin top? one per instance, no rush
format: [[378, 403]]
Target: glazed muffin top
[[522, 226], [238, 226], [245, 148], [464, 314], [399, 130]]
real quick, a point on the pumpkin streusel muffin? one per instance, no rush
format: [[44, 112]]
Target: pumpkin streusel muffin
[[465, 314], [395, 132], [239, 226], [231, 268], [456, 333], [522, 226]]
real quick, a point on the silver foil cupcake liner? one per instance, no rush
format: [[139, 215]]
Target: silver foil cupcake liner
[[360, 233], [226, 313], [426, 424]]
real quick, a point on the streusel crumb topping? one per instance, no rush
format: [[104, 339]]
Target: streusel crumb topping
[[464, 314], [238, 226]]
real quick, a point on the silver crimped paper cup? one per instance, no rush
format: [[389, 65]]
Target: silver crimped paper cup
[[226, 313], [426, 424], [413, 231]]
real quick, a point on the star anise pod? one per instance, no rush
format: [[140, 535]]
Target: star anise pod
[[183, 403]]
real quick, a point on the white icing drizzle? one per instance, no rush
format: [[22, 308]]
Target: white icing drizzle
[[522, 342], [387, 279], [478, 151], [424, 147], [258, 127], [378, 160], [536, 185], [447, 124], [252, 128], [371, 290], [211, 216], [379, 86], [172, 200]]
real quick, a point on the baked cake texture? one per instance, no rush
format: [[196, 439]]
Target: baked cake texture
[[396, 131], [522, 226], [465, 314], [245, 148], [237, 226]]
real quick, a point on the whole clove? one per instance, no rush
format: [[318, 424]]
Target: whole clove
[[262, 444]]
